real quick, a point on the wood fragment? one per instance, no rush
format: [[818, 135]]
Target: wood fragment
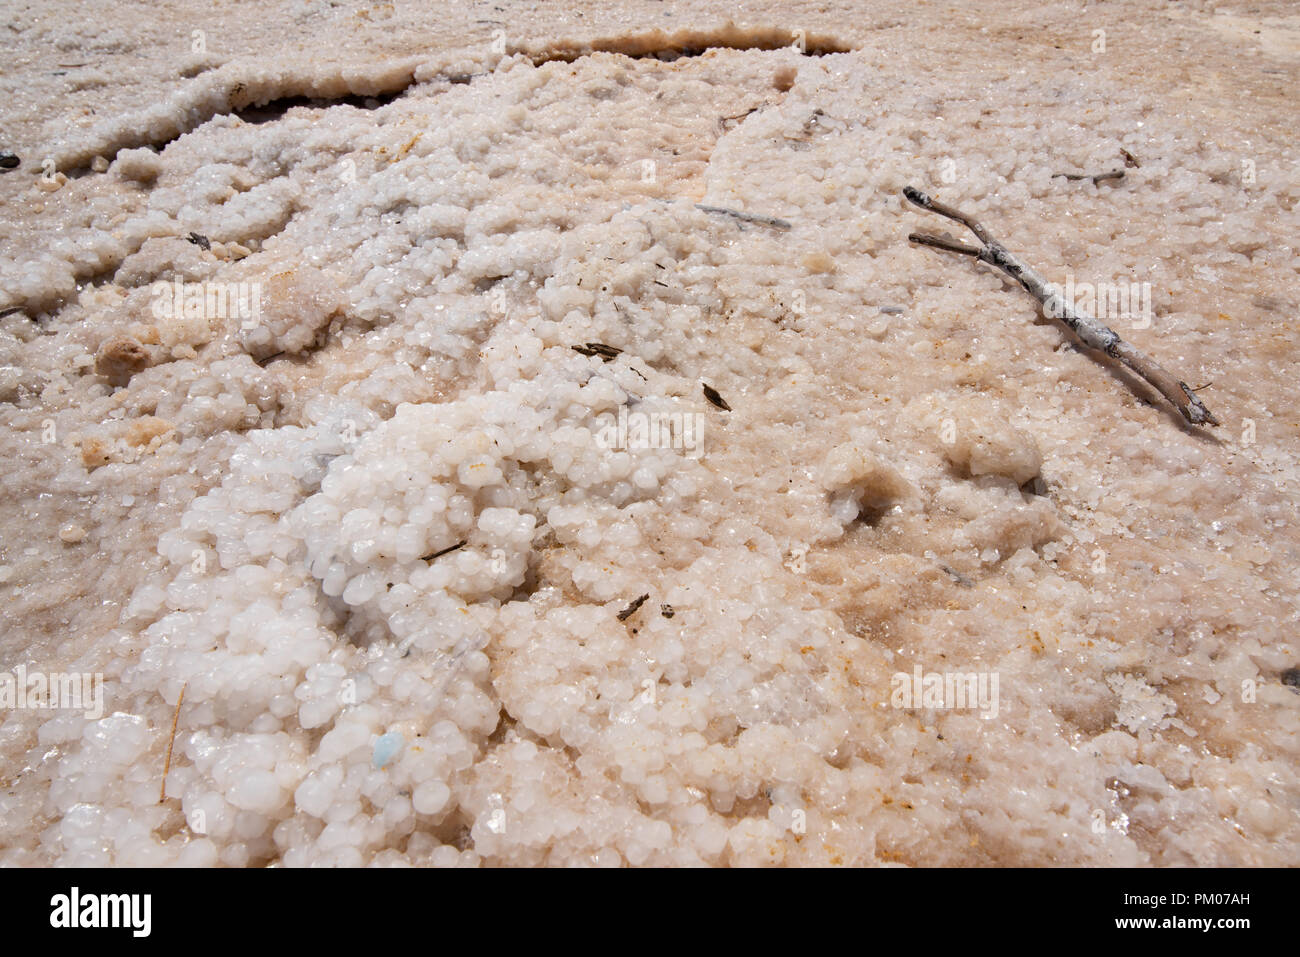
[[171, 742], [630, 610], [608, 353], [745, 217], [1095, 177], [1090, 331], [446, 551], [712, 395]]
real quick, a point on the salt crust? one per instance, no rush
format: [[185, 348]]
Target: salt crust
[[803, 556]]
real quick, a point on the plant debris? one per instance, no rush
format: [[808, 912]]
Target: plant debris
[[712, 395], [608, 353], [171, 742], [451, 548], [630, 610], [746, 217], [738, 118], [957, 576], [1092, 333], [666, 611], [9, 160], [1095, 177], [198, 239]]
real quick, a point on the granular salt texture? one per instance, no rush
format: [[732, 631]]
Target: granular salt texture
[[381, 541]]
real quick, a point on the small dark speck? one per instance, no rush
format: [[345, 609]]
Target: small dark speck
[[667, 611], [198, 239], [892, 310], [1291, 678], [9, 160]]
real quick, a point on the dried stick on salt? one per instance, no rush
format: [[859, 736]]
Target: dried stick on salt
[[744, 217], [1092, 333], [167, 765]]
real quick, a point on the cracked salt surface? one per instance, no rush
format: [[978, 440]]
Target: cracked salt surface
[[912, 473]]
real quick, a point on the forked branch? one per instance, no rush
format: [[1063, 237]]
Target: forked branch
[[1091, 332]]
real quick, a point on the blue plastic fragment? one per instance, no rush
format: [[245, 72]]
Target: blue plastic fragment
[[386, 748]]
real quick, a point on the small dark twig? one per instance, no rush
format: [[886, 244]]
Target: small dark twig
[[746, 217], [446, 551], [1092, 333], [1095, 177], [943, 242], [724, 120]]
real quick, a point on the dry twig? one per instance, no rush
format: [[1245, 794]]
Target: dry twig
[[167, 765], [744, 217], [1092, 333], [446, 551], [1095, 177]]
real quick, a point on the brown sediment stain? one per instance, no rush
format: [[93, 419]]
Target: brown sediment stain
[[656, 44]]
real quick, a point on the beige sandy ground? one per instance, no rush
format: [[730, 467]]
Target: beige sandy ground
[[1138, 602]]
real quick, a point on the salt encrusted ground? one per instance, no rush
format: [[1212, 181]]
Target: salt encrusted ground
[[915, 473]]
